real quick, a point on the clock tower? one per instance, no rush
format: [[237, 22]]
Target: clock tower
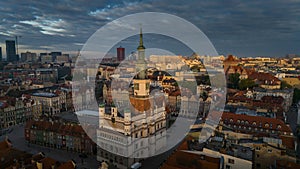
[[141, 82]]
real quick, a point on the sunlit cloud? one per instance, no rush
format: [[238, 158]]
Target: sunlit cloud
[[49, 26]]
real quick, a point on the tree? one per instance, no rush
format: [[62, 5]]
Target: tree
[[195, 68], [296, 97], [204, 95], [234, 80], [246, 83], [285, 85]]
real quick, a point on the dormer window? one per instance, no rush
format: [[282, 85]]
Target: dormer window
[[254, 123], [266, 125]]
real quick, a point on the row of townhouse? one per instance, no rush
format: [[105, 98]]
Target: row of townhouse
[[69, 137], [14, 111]]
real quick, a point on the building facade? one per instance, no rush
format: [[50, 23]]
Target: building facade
[[18, 111], [120, 54], [69, 137], [11, 55], [51, 103]]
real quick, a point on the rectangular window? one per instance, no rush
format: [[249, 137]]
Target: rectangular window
[[231, 161], [228, 167], [136, 86]]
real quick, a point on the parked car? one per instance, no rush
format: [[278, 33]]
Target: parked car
[[136, 165]]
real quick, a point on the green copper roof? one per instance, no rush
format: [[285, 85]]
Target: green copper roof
[[101, 105]]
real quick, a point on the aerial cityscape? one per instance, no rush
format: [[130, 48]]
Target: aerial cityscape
[[73, 98]]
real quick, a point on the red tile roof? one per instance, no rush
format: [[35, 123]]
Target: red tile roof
[[48, 163], [230, 58], [68, 165], [288, 141], [284, 164], [260, 122], [66, 129], [264, 78]]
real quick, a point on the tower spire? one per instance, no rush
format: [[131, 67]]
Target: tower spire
[[141, 45]]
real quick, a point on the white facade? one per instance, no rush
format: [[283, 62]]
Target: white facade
[[230, 162]]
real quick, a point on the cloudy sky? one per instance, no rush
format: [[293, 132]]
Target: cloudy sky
[[242, 28]]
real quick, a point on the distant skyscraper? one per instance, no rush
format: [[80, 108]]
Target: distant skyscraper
[[11, 55], [54, 55], [29, 57], [120, 53], [0, 54]]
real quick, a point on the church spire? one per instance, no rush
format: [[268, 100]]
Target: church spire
[[141, 64], [141, 45]]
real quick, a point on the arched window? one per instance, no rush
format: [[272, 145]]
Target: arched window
[[254, 123]]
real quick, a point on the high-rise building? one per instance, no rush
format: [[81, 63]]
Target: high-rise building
[[120, 53], [11, 55], [54, 55], [29, 57], [0, 54], [64, 58]]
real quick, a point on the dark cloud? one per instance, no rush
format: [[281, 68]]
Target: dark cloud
[[243, 28]]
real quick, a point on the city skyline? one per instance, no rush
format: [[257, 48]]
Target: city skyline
[[239, 28], [150, 84]]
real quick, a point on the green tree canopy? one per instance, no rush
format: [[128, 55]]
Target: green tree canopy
[[246, 83], [234, 80], [285, 85], [296, 97]]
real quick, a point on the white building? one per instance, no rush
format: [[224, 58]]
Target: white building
[[137, 131], [235, 159]]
